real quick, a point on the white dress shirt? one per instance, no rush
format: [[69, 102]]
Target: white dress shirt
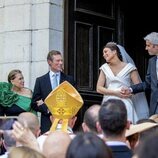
[[53, 77]]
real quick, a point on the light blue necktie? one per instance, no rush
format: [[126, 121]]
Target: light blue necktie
[[55, 81]]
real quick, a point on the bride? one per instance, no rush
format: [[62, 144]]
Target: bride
[[119, 71]]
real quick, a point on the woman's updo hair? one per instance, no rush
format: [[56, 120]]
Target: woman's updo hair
[[113, 46], [12, 74]]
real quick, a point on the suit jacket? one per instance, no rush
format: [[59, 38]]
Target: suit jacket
[[41, 90], [150, 83], [121, 151]]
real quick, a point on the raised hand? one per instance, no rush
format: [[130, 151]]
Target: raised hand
[[24, 136]]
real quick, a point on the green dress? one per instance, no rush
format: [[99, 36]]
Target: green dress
[[8, 98]]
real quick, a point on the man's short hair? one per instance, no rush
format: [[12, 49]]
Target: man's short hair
[[52, 53], [152, 37], [91, 117], [113, 117]]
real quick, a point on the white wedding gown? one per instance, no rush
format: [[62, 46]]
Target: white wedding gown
[[115, 82]]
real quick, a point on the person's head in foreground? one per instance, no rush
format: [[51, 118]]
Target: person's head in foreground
[[88, 145]]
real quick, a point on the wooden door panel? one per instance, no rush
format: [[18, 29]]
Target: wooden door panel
[[84, 56], [105, 35], [87, 29]]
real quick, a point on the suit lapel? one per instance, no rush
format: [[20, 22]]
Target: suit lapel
[[62, 77], [120, 148], [47, 83], [153, 67]]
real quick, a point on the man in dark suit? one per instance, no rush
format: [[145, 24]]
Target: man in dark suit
[[113, 121], [45, 84], [151, 80]]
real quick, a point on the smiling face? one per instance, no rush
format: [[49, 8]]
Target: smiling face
[[18, 81], [56, 63], [151, 48], [108, 54], [16, 78]]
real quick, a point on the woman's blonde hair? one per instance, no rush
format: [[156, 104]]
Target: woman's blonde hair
[[12, 74]]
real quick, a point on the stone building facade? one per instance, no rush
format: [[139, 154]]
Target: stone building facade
[[29, 29]]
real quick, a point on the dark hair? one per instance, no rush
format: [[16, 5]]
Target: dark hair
[[12, 74], [113, 117], [148, 147], [88, 145], [51, 54], [8, 139], [113, 46], [144, 134], [91, 117]]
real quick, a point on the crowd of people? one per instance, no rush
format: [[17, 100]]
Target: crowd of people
[[122, 126]]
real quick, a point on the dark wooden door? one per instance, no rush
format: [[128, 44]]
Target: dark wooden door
[[138, 20], [88, 27]]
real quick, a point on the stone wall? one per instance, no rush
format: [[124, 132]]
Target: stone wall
[[29, 29]]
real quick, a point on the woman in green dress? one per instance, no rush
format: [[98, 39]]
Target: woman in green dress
[[14, 97]]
